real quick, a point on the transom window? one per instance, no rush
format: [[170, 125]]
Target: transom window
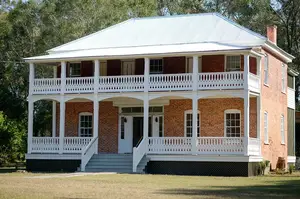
[[75, 69], [233, 123], [156, 66], [189, 124], [233, 63], [152, 109], [86, 125]]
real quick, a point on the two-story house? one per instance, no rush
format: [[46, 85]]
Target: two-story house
[[188, 94]]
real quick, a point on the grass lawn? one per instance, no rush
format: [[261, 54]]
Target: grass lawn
[[113, 186]]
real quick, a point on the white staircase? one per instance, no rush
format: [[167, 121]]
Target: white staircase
[[120, 163]]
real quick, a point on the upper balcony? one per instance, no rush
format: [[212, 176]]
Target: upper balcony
[[215, 72]]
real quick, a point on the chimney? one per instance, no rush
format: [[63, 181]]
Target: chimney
[[272, 33]]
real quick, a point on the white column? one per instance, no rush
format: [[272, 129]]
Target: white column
[[195, 103], [54, 107], [31, 78], [246, 104], [62, 124], [146, 97], [258, 131], [63, 77], [96, 120], [146, 74], [30, 125], [96, 75]]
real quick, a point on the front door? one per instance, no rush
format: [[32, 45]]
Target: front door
[[125, 136], [138, 123], [128, 67]]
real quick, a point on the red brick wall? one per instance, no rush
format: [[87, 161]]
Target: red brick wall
[[108, 123], [275, 103], [211, 116]]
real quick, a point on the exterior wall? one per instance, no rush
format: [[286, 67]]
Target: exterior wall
[[291, 132], [275, 103], [211, 116], [108, 123], [210, 63]]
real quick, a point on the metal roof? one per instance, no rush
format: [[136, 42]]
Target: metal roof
[[180, 29]]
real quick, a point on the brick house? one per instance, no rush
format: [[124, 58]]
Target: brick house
[[216, 99]]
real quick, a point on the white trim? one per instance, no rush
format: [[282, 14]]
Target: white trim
[[283, 78], [225, 61], [69, 68], [162, 66], [266, 70], [266, 127], [41, 156], [79, 122], [278, 51], [122, 66], [191, 112], [282, 130], [224, 119], [205, 158]]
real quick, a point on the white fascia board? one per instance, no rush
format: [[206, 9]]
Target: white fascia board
[[278, 51], [293, 72]]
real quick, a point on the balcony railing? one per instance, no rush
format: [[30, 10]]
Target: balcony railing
[[135, 83]]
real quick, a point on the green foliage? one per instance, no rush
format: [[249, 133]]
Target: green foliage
[[291, 168], [12, 140]]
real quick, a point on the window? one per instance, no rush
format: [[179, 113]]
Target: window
[[75, 69], [189, 124], [233, 63], [283, 78], [156, 66], [152, 109], [266, 70], [122, 128], [282, 129], [233, 123], [266, 133], [85, 125], [291, 81]]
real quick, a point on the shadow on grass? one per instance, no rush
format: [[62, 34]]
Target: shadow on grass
[[278, 189]]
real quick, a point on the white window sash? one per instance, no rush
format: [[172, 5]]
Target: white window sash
[[266, 70], [232, 111], [190, 112], [266, 133], [282, 129]]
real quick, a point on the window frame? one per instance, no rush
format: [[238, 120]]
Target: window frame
[[156, 72], [185, 120], [266, 70], [79, 123], [226, 62], [70, 72], [187, 65], [266, 127], [282, 133], [232, 111], [283, 78]]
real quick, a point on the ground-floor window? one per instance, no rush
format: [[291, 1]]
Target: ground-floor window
[[188, 121], [232, 123], [85, 125]]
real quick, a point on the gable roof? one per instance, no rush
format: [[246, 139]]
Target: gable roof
[[169, 30]]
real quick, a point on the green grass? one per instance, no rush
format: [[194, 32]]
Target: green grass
[[114, 186]]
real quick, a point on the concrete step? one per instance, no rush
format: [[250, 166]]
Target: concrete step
[[109, 170], [108, 167], [111, 163]]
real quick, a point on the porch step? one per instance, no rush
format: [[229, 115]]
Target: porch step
[[120, 163], [141, 168]]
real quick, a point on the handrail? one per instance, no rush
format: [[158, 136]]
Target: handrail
[[138, 143], [88, 152], [138, 153]]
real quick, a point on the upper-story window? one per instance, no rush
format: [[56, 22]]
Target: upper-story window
[[233, 123], [233, 63], [266, 70], [283, 78], [156, 66], [291, 81], [75, 69]]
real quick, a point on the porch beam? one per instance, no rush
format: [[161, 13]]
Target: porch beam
[[246, 104]]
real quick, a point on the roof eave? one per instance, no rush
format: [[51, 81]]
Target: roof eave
[[278, 51]]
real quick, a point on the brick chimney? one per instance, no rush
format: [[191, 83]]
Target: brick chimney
[[272, 33]]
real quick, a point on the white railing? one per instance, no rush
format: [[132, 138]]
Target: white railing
[[254, 83], [88, 152], [170, 145], [45, 145], [170, 82], [225, 80], [47, 85], [75, 144], [79, 84], [138, 153], [254, 146], [121, 83], [220, 145]]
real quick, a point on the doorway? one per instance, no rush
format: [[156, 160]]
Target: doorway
[[138, 126]]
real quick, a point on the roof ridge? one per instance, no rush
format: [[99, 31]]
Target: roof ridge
[[176, 15], [89, 35]]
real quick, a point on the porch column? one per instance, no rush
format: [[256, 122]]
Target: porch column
[[30, 125], [96, 75], [62, 124], [96, 102], [62, 107], [195, 104], [146, 97], [54, 107], [246, 104]]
